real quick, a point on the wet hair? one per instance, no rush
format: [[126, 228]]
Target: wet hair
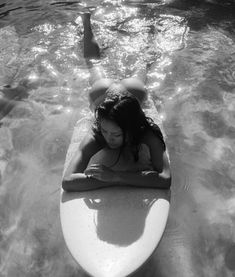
[[125, 110]]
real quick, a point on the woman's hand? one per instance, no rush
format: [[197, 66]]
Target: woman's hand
[[100, 172]]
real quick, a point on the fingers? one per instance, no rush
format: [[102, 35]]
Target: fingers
[[94, 171], [92, 174], [95, 175], [99, 172], [91, 171], [95, 167]]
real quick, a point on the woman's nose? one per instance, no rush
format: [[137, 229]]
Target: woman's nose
[[109, 138]]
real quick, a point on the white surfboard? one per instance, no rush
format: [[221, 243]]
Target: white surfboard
[[111, 232]]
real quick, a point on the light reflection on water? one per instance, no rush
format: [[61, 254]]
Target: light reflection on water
[[191, 78]]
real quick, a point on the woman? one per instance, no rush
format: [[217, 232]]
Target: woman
[[132, 146]]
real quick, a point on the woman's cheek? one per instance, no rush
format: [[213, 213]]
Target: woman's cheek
[[120, 141]]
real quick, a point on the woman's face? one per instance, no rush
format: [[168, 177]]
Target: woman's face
[[112, 133]]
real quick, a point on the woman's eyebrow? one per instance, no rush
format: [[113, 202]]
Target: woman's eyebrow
[[115, 133]]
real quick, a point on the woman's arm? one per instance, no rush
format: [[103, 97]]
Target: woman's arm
[[81, 182], [148, 178], [74, 179], [159, 177], [145, 178]]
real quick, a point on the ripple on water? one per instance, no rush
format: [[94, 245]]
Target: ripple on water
[[9, 46], [214, 124], [210, 92], [23, 135], [54, 147], [218, 180], [227, 71], [53, 139], [230, 257], [5, 139], [25, 111], [14, 167]]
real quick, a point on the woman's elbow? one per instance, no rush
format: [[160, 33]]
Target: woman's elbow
[[166, 179], [168, 182], [66, 186], [69, 185]]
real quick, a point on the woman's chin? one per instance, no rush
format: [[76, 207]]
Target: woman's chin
[[113, 146]]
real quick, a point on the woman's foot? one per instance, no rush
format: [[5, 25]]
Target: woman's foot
[[15, 93]]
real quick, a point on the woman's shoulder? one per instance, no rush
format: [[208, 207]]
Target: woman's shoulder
[[153, 138], [94, 137], [91, 143]]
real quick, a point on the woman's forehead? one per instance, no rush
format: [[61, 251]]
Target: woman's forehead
[[110, 125]]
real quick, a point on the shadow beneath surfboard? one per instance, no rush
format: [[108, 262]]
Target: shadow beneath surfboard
[[120, 213]]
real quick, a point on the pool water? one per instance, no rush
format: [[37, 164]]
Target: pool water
[[190, 48]]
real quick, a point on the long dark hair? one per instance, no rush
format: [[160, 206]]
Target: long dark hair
[[125, 110]]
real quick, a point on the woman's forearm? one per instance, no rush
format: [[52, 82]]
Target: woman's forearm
[[80, 182], [143, 179]]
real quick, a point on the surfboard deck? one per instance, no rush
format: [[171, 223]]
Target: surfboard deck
[[111, 232]]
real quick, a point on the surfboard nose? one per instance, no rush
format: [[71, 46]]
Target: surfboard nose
[[112, 232]]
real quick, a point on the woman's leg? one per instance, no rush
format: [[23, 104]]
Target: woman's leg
[[91, 50], [98, 79]]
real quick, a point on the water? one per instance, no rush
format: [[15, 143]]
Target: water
[[190, 46]]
